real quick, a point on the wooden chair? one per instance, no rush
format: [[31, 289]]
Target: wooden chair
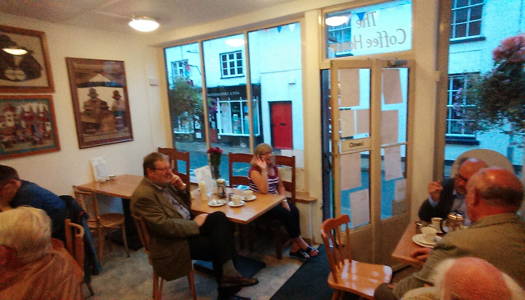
[[74, 234], [158, 282], [174, 157], [101, 224], [348, 275], [238, 158]]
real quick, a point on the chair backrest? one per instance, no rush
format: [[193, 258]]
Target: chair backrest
[[142, 229], [75, 241], [174, 157], [88, 202], [336, 245], [289, 162], [492, 158], [238, 158]]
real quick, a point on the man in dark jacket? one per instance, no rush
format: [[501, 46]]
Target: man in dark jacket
[[15, 192], [449, 195], [177, 236]]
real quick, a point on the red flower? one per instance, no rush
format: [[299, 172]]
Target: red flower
[[215, 150], [511, 49]]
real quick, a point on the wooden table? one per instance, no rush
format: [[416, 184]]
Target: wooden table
[[242, 215], [405, 246]]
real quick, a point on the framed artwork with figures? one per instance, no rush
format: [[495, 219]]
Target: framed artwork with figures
[[27, 125], [100, 101], [24, 61]]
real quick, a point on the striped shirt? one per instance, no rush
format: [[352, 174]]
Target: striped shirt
[[273, 181]]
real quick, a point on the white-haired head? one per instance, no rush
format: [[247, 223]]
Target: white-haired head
[[472, 278], [27, 230]]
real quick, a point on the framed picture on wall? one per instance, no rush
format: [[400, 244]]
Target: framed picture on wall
[[100, 101], [24, 61], [27, 125]]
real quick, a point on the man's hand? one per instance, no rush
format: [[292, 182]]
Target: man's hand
[[177, 182], [421, 254], [434, 190], [199, 219]]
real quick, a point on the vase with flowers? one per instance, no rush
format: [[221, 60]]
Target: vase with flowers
[[215, 154]]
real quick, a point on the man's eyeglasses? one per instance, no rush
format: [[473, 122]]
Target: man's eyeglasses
[[459, 176], [162, 169]]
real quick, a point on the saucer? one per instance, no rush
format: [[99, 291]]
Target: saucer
[[216, 203], [420, 240], [250, 198], [231, 204]]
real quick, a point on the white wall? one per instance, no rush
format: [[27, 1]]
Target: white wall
[[58, 171]]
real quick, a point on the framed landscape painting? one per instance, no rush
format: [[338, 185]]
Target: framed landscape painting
[[24, 62], [100, 101], [27, 125]]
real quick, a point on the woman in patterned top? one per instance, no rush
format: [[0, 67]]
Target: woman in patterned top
[[264, 178]]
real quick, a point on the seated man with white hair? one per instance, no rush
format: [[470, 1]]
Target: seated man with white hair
[[32, 265], [468, 278]]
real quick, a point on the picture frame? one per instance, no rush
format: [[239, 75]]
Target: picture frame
[[100, 101], [28, 72], [27, 125]]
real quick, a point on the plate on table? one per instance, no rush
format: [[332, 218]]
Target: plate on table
[[420, 240], [231, 204], [216, 203], [250, 198]]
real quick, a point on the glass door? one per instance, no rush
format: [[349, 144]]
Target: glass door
[[369, 142]]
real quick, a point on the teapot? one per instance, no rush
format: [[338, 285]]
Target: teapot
[[454, 221]]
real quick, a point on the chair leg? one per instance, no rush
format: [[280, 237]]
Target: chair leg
[[336, 295], [101, 242], [191, 283], [90, 288], [157, 287], [125, 238]]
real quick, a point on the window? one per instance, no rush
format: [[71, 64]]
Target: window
[[179, 68], [374, 29], [231, 64], [465, 18], [458, 124]]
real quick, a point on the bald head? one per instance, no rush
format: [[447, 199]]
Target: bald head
[[467, 168], [472, 278]]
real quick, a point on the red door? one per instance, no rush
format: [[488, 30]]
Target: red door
[[281, 116]]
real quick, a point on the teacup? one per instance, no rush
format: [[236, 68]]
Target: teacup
[[248, 194], [429, 234], [236, 199]]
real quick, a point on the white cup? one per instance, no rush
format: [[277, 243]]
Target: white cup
[[248, 193], [429, 233], [236, 199]]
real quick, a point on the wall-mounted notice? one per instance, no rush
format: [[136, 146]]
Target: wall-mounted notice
[[392, 86], [359, 208], [350, 171], [347, 123], [392, 162], [401, 186], [363, 121], [348, 87], [389, 126]]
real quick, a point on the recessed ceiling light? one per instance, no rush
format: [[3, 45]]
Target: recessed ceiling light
[[144, 24], [15, 50], [336, 20]]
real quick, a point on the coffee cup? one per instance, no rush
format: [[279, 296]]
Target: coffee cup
[[236, 199], [436, 223], [248, 193], [429, 233]]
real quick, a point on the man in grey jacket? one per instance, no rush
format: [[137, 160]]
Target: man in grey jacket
[[496, 235], [177, 236]]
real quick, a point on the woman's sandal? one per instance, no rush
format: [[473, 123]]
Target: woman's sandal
[[301, 254], [311, 250]]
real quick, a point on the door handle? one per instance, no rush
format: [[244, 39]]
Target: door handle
[[282, 124]]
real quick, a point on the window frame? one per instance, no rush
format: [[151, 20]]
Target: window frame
[[457, 137], [468, 22], [228, 61]]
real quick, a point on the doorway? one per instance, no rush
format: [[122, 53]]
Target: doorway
[[281, 124], [368, 151]]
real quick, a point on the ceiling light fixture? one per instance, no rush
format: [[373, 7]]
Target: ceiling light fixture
[[144, 24], [336, 20], [15, 50]]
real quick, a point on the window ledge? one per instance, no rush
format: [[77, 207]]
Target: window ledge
[[232, 76], [457, 140], [467, 40]]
